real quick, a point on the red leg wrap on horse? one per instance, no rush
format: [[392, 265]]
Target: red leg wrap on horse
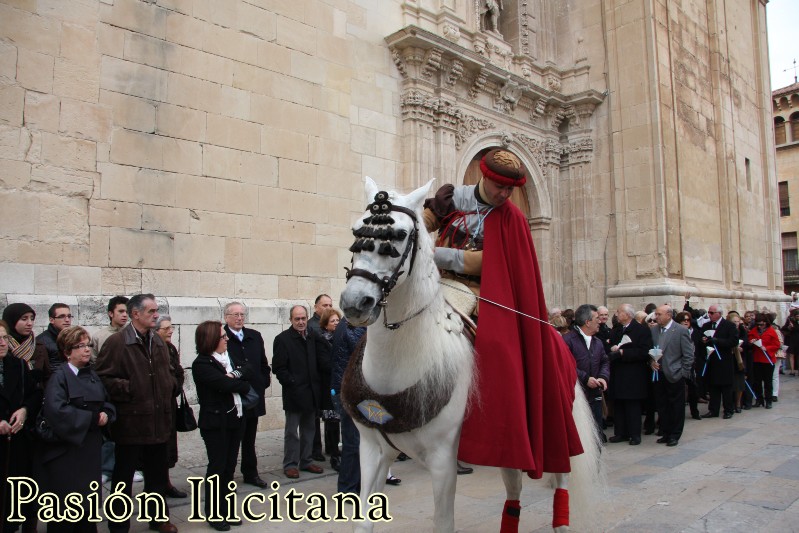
[[560, 508], [510, 517]]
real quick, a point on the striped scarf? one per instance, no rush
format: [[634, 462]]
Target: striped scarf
[[23, 350]]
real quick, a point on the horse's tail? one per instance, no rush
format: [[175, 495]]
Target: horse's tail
[[587, 482]]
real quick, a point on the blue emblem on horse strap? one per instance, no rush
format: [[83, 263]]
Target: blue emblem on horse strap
[[374, 412]]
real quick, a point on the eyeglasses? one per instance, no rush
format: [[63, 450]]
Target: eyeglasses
[[82, 346], [168, 328], [62, 317], [6, 338], [225, 337], [236, 315]]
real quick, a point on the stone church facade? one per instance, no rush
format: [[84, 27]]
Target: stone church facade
[[209, 150]]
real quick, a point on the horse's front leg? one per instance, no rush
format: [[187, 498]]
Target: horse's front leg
[[512, 478], [560, 504], [443, 465], [375, 463]]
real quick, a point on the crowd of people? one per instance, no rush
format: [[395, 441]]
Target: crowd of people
[[639, 368], [108, 402]]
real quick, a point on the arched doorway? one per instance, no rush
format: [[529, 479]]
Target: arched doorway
[[473, 175]]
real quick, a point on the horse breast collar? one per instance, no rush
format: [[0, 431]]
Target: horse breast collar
[[389, 413]]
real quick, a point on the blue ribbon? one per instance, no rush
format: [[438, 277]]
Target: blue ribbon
[[750, 389], [704, 369], [766, 354], [654, 375]]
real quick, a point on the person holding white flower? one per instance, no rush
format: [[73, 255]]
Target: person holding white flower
[[766, 343], [673, 363], [630, 375], [719, 337]]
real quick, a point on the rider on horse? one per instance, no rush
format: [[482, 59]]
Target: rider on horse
[[525, 373]]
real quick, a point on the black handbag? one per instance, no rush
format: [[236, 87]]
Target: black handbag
[[250, 400], [43, 429], [184, 419]]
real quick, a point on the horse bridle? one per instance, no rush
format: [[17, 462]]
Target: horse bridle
[[380, 209]]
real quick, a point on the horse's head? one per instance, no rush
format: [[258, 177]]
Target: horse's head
[[384, 251]]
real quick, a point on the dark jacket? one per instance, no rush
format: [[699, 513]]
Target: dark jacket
[[604, 336], [20, 389], [215, 393], [720, 363], [630, 375], [297, 363], [140, 381], [345, 339], [590, 364], [48, 338], [251, 353], [72, 406]]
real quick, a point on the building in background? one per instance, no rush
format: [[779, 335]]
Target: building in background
[[786, 138], [214, 150]]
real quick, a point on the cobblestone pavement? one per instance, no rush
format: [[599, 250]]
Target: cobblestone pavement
[[738, 475]]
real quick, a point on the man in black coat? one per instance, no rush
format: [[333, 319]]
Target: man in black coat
[[298, 357], [630, 374], [721, 336], [246, 348]]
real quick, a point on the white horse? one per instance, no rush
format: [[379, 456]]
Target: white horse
[[419, 358]]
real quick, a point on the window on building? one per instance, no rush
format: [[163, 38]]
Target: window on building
[[790, 257], [785, 204], [779, 130], [795, 127]]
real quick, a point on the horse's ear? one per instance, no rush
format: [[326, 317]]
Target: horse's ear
[[417, 197], [371, 189]]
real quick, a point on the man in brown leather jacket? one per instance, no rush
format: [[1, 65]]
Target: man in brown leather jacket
[[135, 369]]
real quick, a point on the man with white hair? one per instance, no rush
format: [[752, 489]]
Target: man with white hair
[[719, 337], [630, 343]]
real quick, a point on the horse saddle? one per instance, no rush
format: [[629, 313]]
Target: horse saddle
[[463, 301]]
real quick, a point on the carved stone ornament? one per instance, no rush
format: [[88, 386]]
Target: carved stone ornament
[[452, 32], [432, 62], [455, 72], [469, 126], [509, 95], [418, 105]]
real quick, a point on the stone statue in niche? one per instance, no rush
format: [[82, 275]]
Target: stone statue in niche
[[489, 14]]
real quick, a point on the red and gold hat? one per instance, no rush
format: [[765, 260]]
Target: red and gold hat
[[503, 167]]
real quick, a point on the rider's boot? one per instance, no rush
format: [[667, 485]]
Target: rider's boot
[[510, 517], [560, 510]]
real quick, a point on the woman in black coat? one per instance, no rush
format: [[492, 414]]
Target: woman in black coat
[[77, 407], [19, 400], [220, 388]]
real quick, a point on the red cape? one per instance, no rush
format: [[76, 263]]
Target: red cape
[[522, 415]]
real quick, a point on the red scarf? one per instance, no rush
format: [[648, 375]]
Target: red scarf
[[522, 417]]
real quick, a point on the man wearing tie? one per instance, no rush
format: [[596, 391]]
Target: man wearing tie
[[245, 347], [674, 367], [721, 337], [629, 374]]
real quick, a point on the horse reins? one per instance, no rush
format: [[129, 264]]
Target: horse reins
[[382, 206]]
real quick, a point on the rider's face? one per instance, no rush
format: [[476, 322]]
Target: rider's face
[[496, 194]]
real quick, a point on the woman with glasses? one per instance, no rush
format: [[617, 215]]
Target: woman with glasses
[[164, 328], [764, 354], [220, 388], [77, 408]]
